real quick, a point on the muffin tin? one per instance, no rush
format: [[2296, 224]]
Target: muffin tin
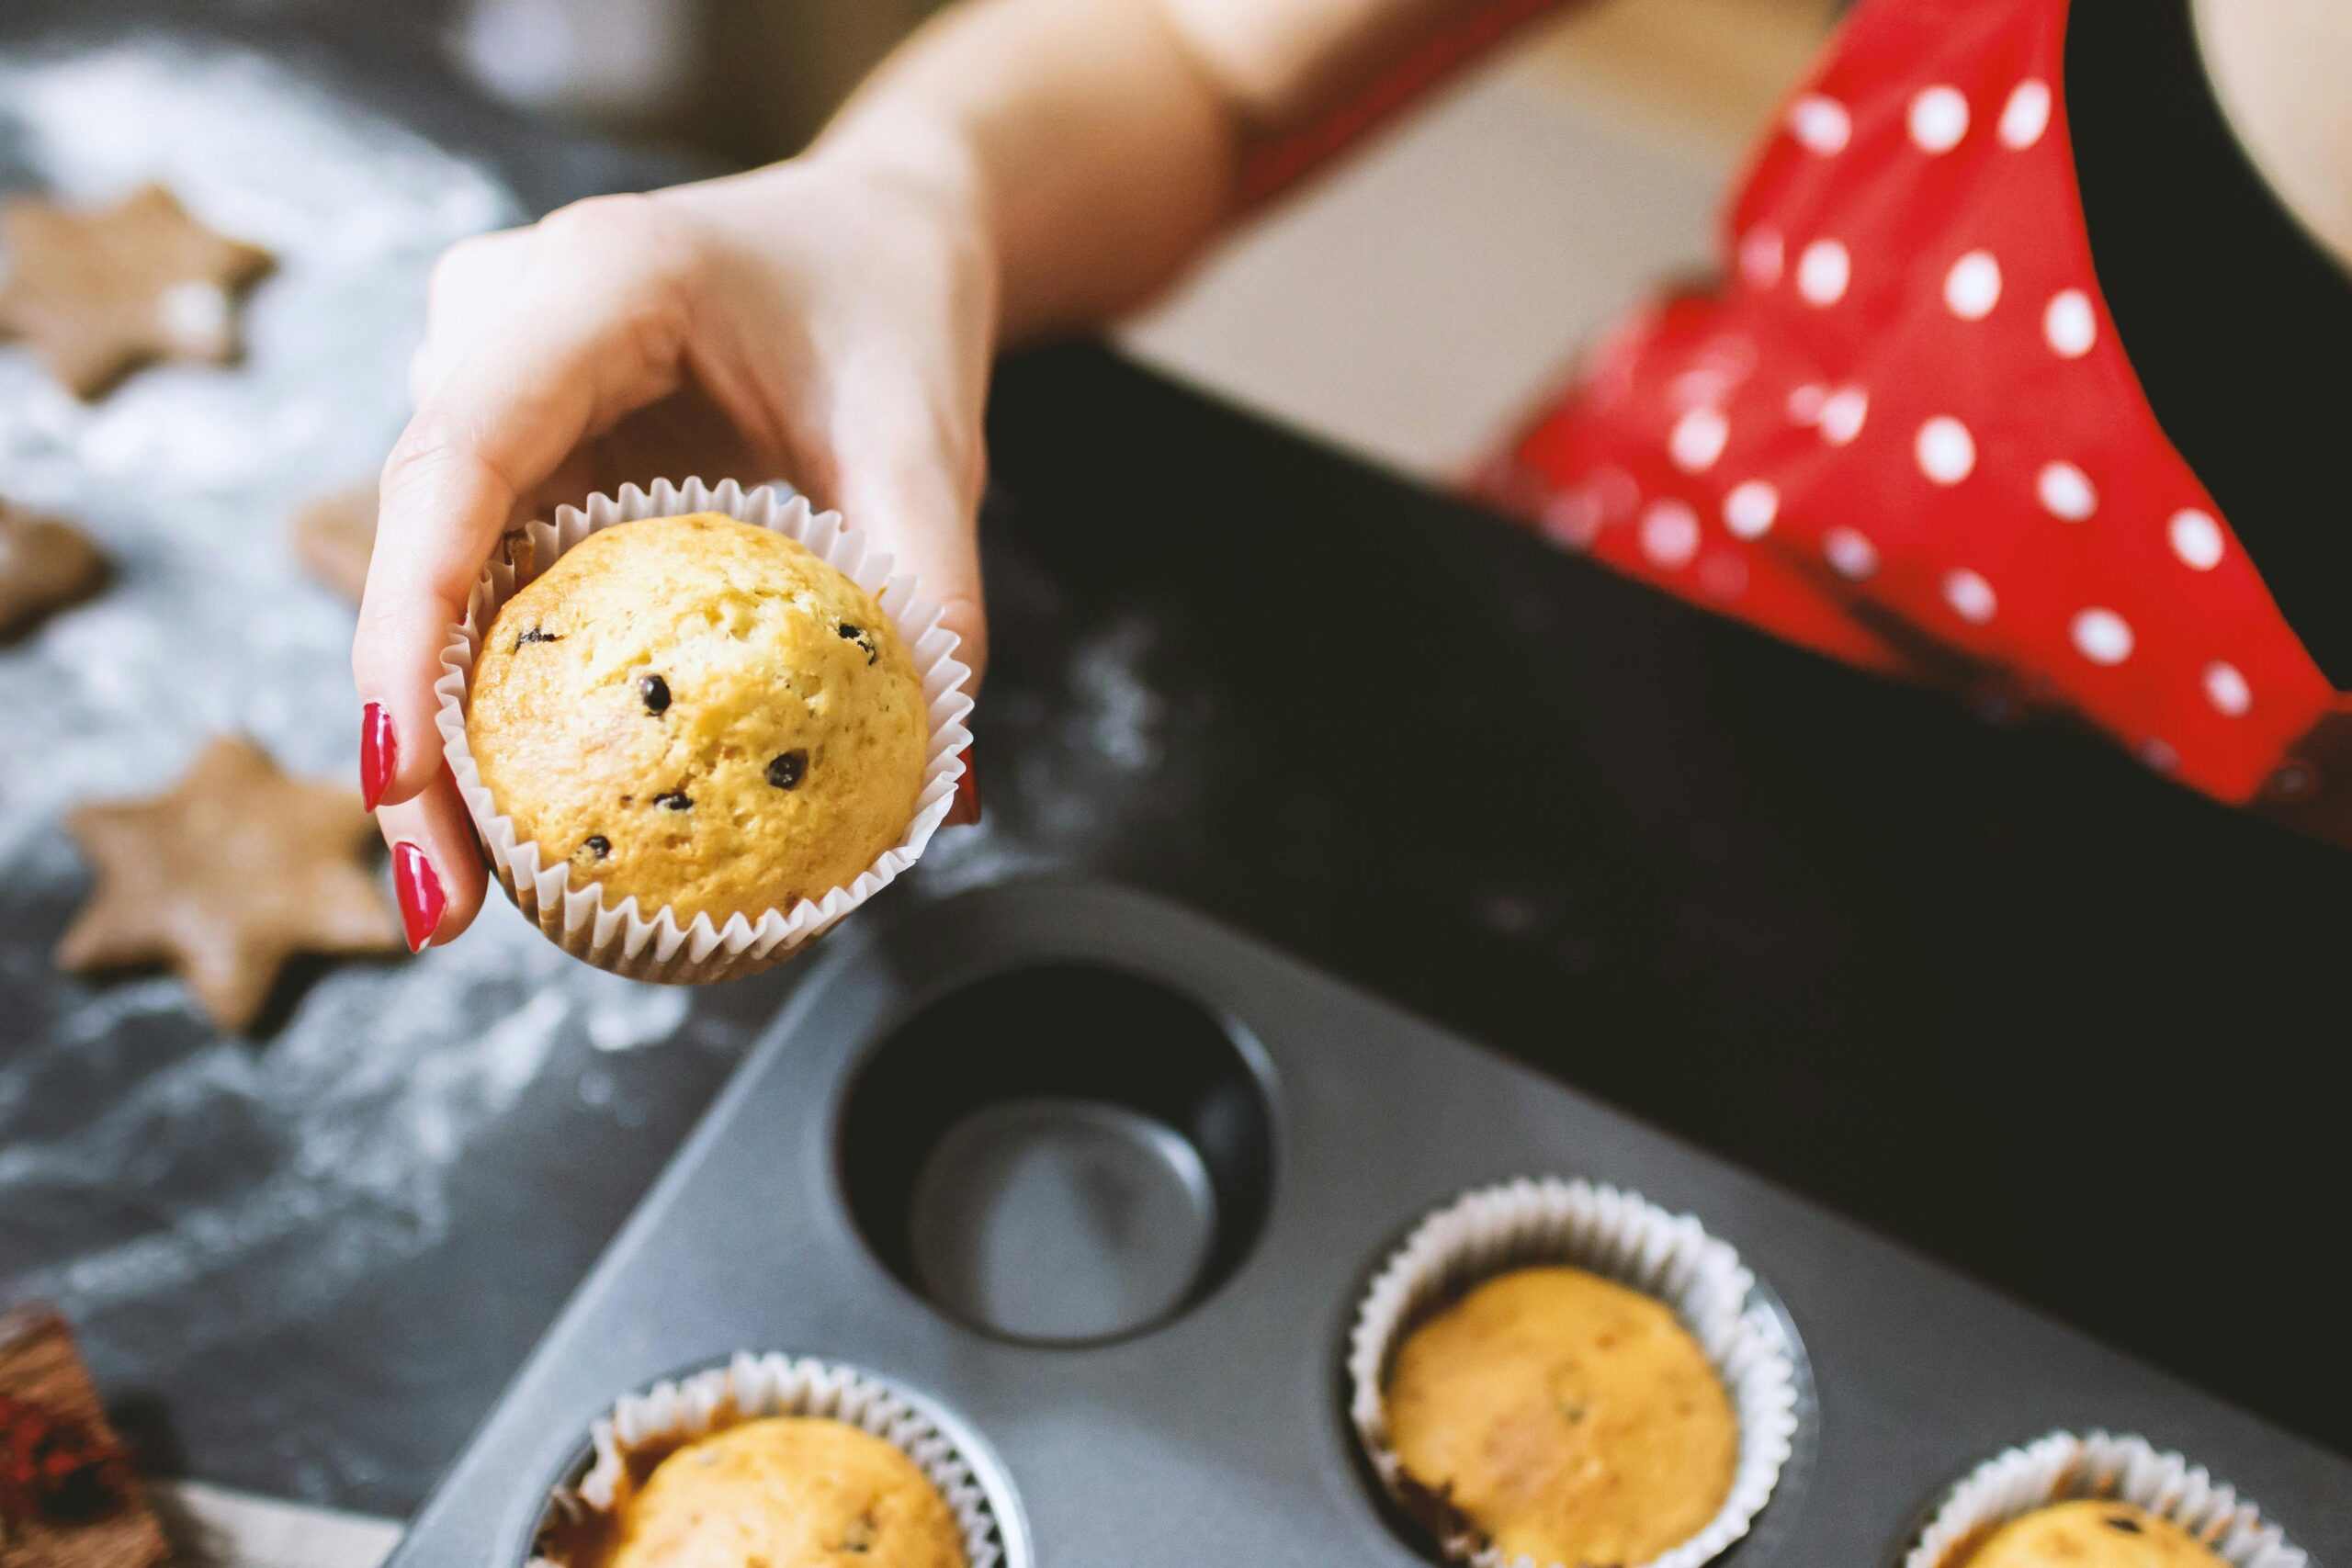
[[1104, 1183]]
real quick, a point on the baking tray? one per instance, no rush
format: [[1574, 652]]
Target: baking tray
[[1100, 1181]]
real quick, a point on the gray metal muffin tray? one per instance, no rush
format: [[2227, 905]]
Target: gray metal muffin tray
[[1102, 1182]]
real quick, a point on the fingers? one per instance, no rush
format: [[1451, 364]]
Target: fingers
[[437, 873], [593, 325]]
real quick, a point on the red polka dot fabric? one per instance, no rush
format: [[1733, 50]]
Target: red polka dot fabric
[[1903, 431]]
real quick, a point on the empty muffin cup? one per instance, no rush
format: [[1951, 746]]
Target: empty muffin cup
[[1622, 1238], [644, 1429], [572, 908], [2066, 1467]]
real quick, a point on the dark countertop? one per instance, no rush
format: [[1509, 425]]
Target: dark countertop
[[1997, 992]]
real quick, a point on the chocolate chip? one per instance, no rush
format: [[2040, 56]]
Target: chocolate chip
[[858, 636], [672, 800], [786, 771], [2125, 1523], [597, 845], [656, 693], [536, 635]]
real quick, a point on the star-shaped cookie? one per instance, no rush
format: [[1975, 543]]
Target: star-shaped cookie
[[100, 292], [44, 566], [225, 877], [333, 537]]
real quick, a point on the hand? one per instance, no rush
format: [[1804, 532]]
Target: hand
[[824, 321]]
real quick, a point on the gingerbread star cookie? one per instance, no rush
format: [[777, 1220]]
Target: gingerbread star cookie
[[100, 292], [44, 566], [228, 875], [68, 1498], [335, 535]]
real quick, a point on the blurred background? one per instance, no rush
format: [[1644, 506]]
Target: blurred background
[[1344, 310]]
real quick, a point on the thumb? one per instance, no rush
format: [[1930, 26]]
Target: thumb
[[922, 504]]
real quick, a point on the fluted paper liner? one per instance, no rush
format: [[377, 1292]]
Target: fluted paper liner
[[750, 1387], [2066, 1466], [620, 937], [1620, 1237]]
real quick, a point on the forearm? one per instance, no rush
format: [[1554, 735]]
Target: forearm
[[1099, 143], [1093, 155]]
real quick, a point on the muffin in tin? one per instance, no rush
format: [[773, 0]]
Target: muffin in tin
[[1562, 1373], [2097, 1499], [702, 714], [779, 1492], [774, 1461]]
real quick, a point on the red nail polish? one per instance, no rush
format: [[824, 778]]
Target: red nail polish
[[380, 753], [419, 888], [967, 810]]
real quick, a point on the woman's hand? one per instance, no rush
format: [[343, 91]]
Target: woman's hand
[[827, 322]]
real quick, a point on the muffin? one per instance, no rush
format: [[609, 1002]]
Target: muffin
[[702, 714], [784, 1491], [2089, 1533], [1561, 1417]]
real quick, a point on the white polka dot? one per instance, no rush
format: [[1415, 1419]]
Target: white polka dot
[[1572, 518], [2296, 780], [2158, 756], [1938, 118], [1669, 534], [1762, 254], [1805, 402], [2066, 492], [1824, 270], [1850, 555], [1822, 124], [2196, 538], [1698, 440], [1750, 510], [1970, 596], [2027, 114], [2101, 636], [2227, 689], [1947, 452], [1972, 287], [2069, 324], [1616, 491], [1842, 414]]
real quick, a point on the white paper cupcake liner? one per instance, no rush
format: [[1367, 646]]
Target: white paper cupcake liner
[[750, 1387], [1620, 1237], [619, 936], [2064, 1466]]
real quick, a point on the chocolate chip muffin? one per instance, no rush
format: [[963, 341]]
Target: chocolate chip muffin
[[701, 713], [1561, 1417], [2087, 1533], [787, 1492]]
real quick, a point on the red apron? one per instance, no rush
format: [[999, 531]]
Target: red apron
[[1904, 431]]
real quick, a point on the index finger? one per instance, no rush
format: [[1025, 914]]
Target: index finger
[[597, 331]]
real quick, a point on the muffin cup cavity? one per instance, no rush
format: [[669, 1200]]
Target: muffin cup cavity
[[655, 944], [2066, 1466], [1620, 1237], [748, 1388]]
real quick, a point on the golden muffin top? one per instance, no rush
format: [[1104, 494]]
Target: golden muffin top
[[785, 1491], [1563, 1417], [701, 713], [2090, 1534]]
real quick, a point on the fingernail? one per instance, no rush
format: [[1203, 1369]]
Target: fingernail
[[380, 753], [419, 888], [967, 810]]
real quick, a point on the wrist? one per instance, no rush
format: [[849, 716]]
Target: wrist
[[915, 157]]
